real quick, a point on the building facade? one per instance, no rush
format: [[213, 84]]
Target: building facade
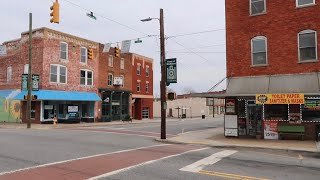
[[69, 83], [272, 67], [142, 87]]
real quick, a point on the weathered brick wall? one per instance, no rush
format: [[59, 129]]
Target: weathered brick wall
[[281, 24], [142, 77], [104, 69]]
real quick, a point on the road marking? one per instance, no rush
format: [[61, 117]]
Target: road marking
[[142, 164], [214, 158], [230, 176], [87, 157]]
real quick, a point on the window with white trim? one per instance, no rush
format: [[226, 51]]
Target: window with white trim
[[64, 51], [110, 79], [122, 63], [259, 51], [9, 74], [122, 77], [138, 86], [301, 3], [138, 69], [147, 87], [147, 71], [110, 61], [83, 55], [307, 45], [26, 69], [58, 74], [257, 7], [86, 77]]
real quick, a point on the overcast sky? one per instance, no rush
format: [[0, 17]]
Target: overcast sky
[[200, 66]]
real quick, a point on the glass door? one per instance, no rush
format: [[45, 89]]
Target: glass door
[[254, 119]]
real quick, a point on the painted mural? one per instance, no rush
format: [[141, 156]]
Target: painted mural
[[9, 110]]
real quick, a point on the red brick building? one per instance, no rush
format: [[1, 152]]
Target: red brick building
[[272, 67], [71, 86], [142, 86]]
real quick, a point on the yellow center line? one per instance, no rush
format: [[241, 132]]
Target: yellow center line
[[230, 176]]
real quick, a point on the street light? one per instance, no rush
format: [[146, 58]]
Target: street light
[[163, 82]]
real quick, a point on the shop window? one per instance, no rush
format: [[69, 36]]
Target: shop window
[[242, 109], [259, 50], [230, 106], [307, 46], [276, 111], [311, 109], [294, 114], [257, 7]]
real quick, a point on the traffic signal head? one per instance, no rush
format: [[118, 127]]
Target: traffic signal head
[[90, 53], [171, 96], [55, 15], [116, 52]]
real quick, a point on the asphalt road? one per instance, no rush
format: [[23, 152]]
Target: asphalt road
[[129, 151]]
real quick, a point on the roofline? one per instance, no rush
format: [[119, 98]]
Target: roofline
[[141, 56]]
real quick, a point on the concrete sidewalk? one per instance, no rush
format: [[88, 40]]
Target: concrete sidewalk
[[215, 138]]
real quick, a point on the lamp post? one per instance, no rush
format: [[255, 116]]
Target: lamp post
[[163, 82]]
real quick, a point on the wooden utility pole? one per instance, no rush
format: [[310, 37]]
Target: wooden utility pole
[[29, 73], [163, 82]]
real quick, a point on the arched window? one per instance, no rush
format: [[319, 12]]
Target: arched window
[[259, 51], [307, 41]]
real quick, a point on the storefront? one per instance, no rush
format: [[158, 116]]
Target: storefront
[[69, 107], [115, 105], [260, 116]]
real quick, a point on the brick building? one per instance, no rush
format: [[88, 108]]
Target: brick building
[[142, 86], [71, 85], [272, 67]]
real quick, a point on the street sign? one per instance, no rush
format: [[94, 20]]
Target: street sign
[[171, 65], [35, 82], [3, 50]]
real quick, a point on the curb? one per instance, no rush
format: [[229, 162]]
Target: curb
[[238, 146]]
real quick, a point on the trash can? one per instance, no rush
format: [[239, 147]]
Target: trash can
[[203, 116]]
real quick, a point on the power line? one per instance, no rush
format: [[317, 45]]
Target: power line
[[102, 16], [208, 52], [195, 33]]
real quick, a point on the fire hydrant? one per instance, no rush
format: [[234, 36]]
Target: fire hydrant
[[55, 120]]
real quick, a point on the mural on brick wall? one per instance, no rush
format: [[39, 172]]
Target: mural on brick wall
[[9, 110]]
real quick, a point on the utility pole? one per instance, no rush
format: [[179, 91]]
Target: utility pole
[[163, 82], [29, 73]]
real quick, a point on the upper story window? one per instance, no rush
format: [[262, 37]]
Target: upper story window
[[110, 61], [122, 63], [138, 86], [307, 46], [301, 3], [110, 79], [147, 71], [147, 87], [9, 74], [138, 69], [83, 55], [26, 69], [259, 50], [64, 50], [86, 77], [257, 7], [58, 74], [122, 77]]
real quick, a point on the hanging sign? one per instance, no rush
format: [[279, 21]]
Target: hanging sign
[[171, 66], [280, 98]]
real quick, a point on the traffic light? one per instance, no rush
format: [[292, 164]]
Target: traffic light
[[33, 97], [55, 15], [90, 53], [116, 52], [171, 96]]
